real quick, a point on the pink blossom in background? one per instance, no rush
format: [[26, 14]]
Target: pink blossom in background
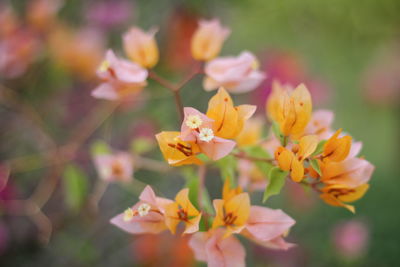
[[110, 13], [351, 238], [288, 68], [381, 79], [114, 167]]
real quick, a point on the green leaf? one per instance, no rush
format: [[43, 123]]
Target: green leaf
[[227, 167], [75, 187], [259, 152], [277, 179], [320, 148], [99, 147], [277, 132], [314, 163], [141, 145]]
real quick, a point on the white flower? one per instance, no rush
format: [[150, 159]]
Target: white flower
[[104, 66], [144, 209], [206, 135], [193, 121], [128, 215]]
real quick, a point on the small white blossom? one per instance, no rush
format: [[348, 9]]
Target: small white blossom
[[144, 209], [128, 215], [193, 121], [206, 134], [104, 66]]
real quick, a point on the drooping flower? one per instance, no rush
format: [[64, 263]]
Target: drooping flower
[[146, 216], [176, 151], [182, 210], [228, 120], [337, 148], [291, 109], [141, 47], [120, 78], [114, 167], [236, 74], [215, 249], [340, 195], [208, 39]]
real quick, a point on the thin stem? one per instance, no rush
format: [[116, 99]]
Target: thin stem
[[179, 104]]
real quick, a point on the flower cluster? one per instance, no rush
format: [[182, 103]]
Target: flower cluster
[[302, 148]]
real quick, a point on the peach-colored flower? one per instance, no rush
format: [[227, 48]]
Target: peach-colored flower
[[198, 128], [41, 14], [208, 39], [236, 74], [141, 47], [146, 216], [320, 124], [114, 167], [120, 78], [218, 251]]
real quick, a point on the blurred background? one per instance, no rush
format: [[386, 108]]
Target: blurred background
[[346, 52]]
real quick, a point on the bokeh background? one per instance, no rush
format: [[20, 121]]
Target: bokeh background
[[347, 53]]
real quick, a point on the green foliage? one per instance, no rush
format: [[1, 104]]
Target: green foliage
[[314, 163], [259, 152], [227, 167], [320, 148], [277, 132], [276, 182], [75, 187], [99, 147], [141, 145]]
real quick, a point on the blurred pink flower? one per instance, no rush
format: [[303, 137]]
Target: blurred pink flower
[[288, 68], [250, 177], [236, 74], [381, 79], [146, 216], [217, 251], [120, 78], [41, 14], [351, 238], [198, 127], [320, 124], [114, 167], [110, 13]]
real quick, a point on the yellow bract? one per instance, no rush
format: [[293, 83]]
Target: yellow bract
[[339, 195], [291, 109], [177, 152], [182, 210], [337, 149], [251, 133], [228, 120]]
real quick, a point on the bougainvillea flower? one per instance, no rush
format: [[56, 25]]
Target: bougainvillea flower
[[146, 216], [141, 47], [177, 152], [228, 120], [288, 161], [120, 78], [250, 176], [268, 226], [182, 210], [215, 249], [291, 109], [237, 74], [307, 145], [251, 132], [114, 167], [339, 195], [232, 213], [337, 148], [193, 122], [208, 39], [351, 172], [320, 124]]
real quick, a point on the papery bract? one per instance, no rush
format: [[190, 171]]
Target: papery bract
[[208, 39], [141, 46], [339, 195], [337, 148], [236, 74]]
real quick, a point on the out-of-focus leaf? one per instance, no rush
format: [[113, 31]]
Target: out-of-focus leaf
[[315, 165], [259, 152], [277, 132], [75, 187], [227, 167], [141, 145], [99, 147], [277, 179], [320, 148]]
